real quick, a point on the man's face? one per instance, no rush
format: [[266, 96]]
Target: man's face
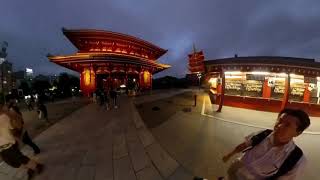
[[286, 128]]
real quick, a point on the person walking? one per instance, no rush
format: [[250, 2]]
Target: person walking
[[42, 112], [107, 99], [29, 104], [272, 154], [113, 96], [10, 133], [12, 106]]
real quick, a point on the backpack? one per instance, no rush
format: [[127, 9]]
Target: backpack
[[288, 163]]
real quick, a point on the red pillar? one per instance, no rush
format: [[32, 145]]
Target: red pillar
[[306, 94], [141, 81], [223, 84], [266, 93], [286, 93]]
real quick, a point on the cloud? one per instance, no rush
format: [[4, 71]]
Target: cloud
[[219, 27]]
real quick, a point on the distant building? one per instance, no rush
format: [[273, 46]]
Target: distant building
[[23, 75], [6, 80], [29, 74]]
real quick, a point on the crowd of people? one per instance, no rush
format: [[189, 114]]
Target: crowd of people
[[106, 98]]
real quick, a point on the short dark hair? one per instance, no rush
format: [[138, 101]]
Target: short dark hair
[[302, 116]]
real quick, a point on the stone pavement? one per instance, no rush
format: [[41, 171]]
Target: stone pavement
[[96, 144]]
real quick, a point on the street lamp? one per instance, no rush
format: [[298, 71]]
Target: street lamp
[[199, 75]]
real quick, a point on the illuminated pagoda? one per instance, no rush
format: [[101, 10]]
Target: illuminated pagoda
[[195, 66], [108, 59]]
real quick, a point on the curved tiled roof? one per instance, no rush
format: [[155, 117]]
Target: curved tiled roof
[[74, 35], [274, 60]]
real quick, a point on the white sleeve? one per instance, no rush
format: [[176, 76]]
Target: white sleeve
[[297, 170]]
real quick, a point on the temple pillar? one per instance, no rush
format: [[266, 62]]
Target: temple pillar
[[286, 93], [306, 94], [141, 83], [88, 81], [266, 92]]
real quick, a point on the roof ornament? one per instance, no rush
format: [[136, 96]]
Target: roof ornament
[[194, 48]]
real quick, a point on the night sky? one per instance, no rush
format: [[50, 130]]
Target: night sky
[[221, 28]]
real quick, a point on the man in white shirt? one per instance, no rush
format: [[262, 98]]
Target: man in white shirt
[[272, 154], [9, 148]]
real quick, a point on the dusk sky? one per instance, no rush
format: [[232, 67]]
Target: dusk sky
[[221, 28]]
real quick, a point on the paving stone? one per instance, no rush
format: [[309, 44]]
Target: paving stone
[[137, 152], [149, 173], [119, 146], [181, 173], [6, 177], [104, 171], [137, 120], [90, 157], [145, 136], [86, 173], [162, 160], [123, 169]]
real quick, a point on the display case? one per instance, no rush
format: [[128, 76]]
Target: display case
[[277, 91], [253, 88], [233, 87], [296, 91]]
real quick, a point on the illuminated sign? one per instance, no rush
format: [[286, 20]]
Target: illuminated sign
[[28, 70]]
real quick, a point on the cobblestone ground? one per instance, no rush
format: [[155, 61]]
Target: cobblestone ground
[[93, 144]]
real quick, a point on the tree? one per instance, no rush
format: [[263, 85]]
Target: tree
[[40, 86], [66, 83], [25, 87]]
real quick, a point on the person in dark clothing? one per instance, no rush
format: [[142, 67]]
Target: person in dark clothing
[[42, 111], [101, 97], [113, 96], [12, 105]]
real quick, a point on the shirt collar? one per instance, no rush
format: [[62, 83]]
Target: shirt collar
[[287, 147]]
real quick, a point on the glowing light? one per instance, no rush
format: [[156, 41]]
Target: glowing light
[[122, 86], [232, 72], [296, 76], [282, 74], [146, 77], [279, 79], [297, 81], [233, 77], [28, 70], [259, 73], [89, 77], [212, 80]]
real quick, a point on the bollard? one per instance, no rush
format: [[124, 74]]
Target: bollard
[[195, 100]]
